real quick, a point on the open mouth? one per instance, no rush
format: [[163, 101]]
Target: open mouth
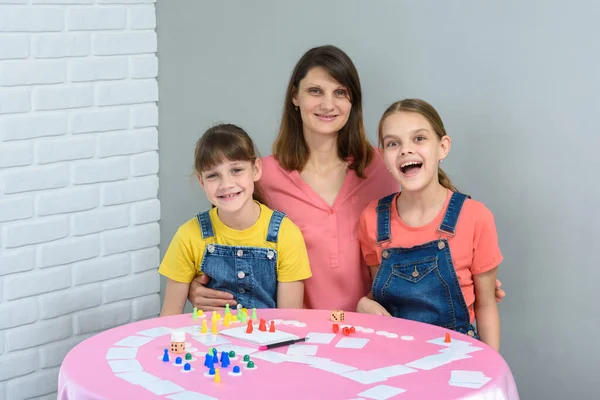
[[229, 196], [411, 168], [326, 117]]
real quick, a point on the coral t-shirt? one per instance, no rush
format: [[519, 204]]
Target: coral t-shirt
[[474, 247]]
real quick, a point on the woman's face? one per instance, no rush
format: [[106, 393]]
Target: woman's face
[[323, 102]]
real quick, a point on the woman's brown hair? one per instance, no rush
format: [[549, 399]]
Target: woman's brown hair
[[426, 110], [290, 148], [226, 142]]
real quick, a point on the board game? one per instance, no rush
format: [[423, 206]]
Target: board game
[[203, 356]]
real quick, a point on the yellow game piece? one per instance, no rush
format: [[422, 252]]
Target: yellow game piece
[[200, 313], [234, 318], [204, 328], [227, 320], [217, 375], [244, 311], [214, 315], [214, 328]]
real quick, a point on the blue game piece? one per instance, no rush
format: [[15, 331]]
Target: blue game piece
[[215, 359], [187, 367], [223, 354], [178, 360], [166, 356], [208, 361], [236, 369], [225, 360], [212, 371], [214, 351]]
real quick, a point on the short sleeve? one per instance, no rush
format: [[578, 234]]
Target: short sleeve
[[179, 262], [367, 236], [486, 250], [292, 264]]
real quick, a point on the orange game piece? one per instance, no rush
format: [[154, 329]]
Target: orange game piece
[[346, 331], [352, 329], [336, 328], [263, 325], [447, 339], [249, 329], [272, 327]]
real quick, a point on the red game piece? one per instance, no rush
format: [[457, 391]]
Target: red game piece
[[336, 328], [447, 339], [263, 325], [352, 329], [272, 327], [249, 329], [346, 331]]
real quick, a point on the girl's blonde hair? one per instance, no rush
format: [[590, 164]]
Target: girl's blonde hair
[[226, 142], [425, 109]]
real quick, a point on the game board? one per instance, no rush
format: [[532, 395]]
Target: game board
[[373, 358]]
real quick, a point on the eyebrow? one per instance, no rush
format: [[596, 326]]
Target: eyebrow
[[413, 132]]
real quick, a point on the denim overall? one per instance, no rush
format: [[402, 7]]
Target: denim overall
[[420, 283], [249, 273]]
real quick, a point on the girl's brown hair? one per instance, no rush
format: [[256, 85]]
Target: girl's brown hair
[[226, 142], [430, 114], [290, 148]]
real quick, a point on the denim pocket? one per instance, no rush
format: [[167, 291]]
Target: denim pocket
[[414, 271]]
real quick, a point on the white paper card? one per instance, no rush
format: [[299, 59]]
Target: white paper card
[[332, 366], [121, 353], [190, 396], [453, 342], [125, 366], [364, 377], [381, 392], [302, 350], [134, 341], [320, 338], [352, 343], [271, 356], [138, 377], [156, 332], [436, 360], [471, 385], [211, 340], [239, 350], [307, 359], [393, 370], [462, 376], [162, 387]]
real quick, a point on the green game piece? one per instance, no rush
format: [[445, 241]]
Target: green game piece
[[242, 317], [227, 311], [250, 364], [231, 354], [213, 351], [254, 318], [246, 358], [195, 313], [188, 356]]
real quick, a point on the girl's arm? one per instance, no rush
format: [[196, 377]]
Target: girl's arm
[[367, 305], [176, 295], [486, 308], [290, 294]]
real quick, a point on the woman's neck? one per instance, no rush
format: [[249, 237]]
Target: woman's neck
[[323, 152], [242, 219], [420, 208]]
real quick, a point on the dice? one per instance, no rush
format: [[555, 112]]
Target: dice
[[337, 316]]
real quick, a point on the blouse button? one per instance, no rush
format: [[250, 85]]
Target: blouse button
[[241, 274], [240, 253]]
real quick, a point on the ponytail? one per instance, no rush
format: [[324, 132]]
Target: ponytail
[[259, 194], [445, 181]]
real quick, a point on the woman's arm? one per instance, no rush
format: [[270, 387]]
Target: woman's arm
[[207, 299], [486, 308], [175, 297], [290, 294]]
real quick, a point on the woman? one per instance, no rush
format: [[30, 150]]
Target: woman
[[322, 174]]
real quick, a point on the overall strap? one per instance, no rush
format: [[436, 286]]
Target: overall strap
[[448, 224], [274, 225], [205, 224], [383, 218]]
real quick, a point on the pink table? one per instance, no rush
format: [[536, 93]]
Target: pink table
[[401, 359]]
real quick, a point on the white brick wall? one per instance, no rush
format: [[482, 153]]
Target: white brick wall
[[79, 209]]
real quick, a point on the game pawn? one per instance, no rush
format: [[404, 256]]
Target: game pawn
[[178, 342], [272, 327], [250, 328], [262, 325]]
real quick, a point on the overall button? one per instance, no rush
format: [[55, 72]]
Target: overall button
[[241, 274], [441, 245], [211, 248], [385, 254], [240, 253], [471, 333], [270, 254], [242, 290]]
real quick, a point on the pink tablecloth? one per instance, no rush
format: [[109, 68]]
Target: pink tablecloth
[[399, 359]]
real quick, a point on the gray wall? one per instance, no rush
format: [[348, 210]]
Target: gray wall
[[519, 88]]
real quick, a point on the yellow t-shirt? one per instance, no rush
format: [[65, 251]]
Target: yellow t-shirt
[[182, 261]]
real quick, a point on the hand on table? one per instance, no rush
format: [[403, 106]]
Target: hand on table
[[368, 306], [208, 299]]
